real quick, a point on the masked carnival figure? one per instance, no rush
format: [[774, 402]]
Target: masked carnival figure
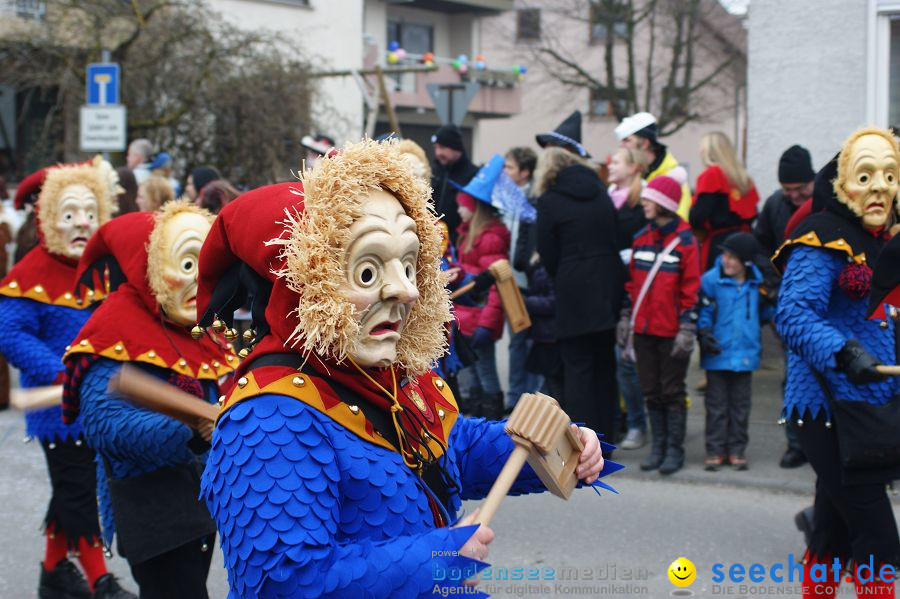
[[41, 315], [339, 460], [833, 354], [152, 463]]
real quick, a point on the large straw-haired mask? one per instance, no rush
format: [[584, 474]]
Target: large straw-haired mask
[[73, 203], [869, 175], [364, 258]]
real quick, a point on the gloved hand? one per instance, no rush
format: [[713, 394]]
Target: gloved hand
[[684, 340], [708, 344], [622, 327], [481, 336], [483, 282], [858, 364]]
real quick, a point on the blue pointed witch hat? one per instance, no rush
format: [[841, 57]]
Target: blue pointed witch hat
[[493, 187]]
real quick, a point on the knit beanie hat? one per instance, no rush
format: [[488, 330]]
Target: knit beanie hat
[[743, 245], [449, 136], [203, 175], [795, 166], [465, 200], [663, 190]]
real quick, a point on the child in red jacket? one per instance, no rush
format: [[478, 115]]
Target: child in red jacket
[[660, 321], [483, 239]]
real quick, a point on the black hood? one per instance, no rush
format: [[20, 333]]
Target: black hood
[[578, 182]]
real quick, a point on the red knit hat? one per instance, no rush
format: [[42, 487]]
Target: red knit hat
[[664, 191], [465, 200]]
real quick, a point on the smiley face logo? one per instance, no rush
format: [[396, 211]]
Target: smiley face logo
[[682, 572]]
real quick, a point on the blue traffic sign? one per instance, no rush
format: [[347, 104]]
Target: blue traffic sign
[[103, 83]]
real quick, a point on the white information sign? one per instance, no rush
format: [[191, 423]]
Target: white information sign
[[103, 128]]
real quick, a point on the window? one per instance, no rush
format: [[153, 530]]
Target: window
[[601, 105], [894, 77], [606, 14], [528, 24], [31, 9], [415, 38]]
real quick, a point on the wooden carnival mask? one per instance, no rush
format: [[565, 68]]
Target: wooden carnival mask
[[869, 175], [71, 207], [174, 252], [380, 277]]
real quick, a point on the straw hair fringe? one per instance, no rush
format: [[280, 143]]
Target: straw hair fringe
[[316, 241], [48, 201], [157, 250], [844, 164]]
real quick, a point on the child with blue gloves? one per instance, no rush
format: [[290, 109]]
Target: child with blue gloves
[[731, 312]]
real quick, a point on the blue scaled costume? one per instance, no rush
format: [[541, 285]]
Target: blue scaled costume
[[148, 464], [320, 486], [821, 316], [41, 317]]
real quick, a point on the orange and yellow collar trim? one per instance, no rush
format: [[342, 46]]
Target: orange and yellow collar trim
[[212, 370], [812, 240], [39, 293], [302, 387]]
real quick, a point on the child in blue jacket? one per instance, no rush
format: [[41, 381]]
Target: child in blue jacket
[[731, 312]]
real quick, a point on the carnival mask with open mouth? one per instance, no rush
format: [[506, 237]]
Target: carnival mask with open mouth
[[174, 251], [869, 175], [73, 203], [380, 267]]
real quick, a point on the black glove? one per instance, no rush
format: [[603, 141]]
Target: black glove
[[483, 282], [858, 364], [708, 344]]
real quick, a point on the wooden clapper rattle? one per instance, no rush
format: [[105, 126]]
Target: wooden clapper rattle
[[543, 436], [510, 296], [151, 393], [35, 398]]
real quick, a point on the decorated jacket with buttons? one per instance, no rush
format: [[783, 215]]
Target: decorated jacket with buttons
[[820, 308], [41, 317], [312, 502]]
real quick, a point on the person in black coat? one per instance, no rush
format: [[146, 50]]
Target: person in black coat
[[450, 164], [577, 240]]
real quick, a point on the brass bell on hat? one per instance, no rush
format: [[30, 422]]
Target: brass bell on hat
[[218, 326], [231, 334], [197, 332], [243, 353], [249, 336]]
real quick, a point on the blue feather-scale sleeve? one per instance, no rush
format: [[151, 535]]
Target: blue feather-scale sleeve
[[481, 448], [134, 441], [801, 315], [34, 338], [307, 509]]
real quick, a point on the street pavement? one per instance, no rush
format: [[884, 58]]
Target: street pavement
[[613, 546]]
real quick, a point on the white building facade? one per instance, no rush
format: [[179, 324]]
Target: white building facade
[[817, 70]]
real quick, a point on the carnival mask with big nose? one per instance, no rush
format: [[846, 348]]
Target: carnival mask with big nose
[[870, 179], [77, 219], [380, 266], [182, 238]]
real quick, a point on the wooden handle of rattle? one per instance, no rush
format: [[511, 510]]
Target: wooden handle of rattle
[[503, 484], [36, 398], [462, 290], [890, 370], [151, 393]]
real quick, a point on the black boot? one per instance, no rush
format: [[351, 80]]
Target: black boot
[[676, 421], [492, 405], [471, 406], [64, 581], [108, 587], [658, 438]]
